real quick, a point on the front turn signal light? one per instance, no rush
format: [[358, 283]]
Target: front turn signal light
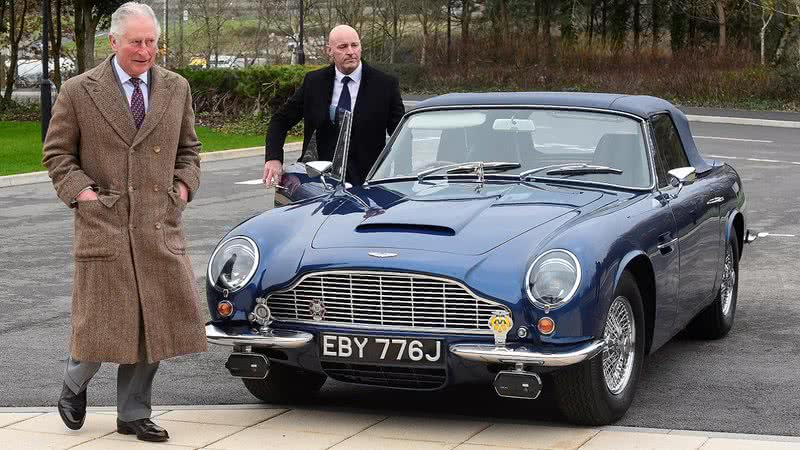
[[225, 308], [546, 326]]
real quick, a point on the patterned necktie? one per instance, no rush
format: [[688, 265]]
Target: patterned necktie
[[344, 98], [137, 103]]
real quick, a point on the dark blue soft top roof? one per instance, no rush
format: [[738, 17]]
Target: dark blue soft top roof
[[639, 105]]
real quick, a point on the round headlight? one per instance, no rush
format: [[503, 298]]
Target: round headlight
[[553, 279], [233, 263]]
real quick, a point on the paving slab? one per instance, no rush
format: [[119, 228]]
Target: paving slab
[[320, 421], [427, 429], [364, 442], [235, 417], [29, 440], [534, 436], [113, 444], [187, 434], [620, 440], [96, 425], [748, 444], [278, 439], [12, 418]]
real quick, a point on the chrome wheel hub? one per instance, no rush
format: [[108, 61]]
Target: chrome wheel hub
[[728, 281], [620, 338]]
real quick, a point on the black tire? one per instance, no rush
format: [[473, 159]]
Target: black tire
[[716, 321], [582, 393], [285, 384]]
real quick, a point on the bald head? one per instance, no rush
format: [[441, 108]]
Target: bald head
[[344, 48]]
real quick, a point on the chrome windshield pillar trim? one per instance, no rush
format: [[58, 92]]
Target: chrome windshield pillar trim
[[489, 353], [263, 338]]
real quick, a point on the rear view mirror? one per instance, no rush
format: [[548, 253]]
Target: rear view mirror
[[513, 125]]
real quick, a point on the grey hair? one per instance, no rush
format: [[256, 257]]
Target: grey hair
[[127, 11]]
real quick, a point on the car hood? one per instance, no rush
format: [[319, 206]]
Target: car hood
[[459, 218]]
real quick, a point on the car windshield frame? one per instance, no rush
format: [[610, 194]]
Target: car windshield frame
[[640, 121]]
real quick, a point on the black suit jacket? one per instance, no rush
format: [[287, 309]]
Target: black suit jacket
[[378, 110]]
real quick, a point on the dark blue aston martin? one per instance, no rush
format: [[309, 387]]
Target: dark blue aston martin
[[499, 238]]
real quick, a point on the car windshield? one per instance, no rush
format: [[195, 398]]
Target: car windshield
[[545, 143]]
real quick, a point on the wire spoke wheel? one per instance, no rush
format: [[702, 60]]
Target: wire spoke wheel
[[620, 338], [728, 281]]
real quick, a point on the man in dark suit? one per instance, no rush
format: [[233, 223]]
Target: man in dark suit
[[347, 84]]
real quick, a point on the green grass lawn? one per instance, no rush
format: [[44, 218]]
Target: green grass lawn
[[21, 145]]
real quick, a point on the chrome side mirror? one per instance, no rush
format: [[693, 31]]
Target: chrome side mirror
[[320, 169], [680, 177]]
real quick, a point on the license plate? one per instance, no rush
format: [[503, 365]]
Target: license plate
[[381, 350]]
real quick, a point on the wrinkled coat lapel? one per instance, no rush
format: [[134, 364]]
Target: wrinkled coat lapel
[[103, 89]]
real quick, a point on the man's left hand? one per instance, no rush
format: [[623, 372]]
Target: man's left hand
[[183, 191]]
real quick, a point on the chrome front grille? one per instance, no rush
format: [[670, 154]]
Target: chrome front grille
[[384, 300]]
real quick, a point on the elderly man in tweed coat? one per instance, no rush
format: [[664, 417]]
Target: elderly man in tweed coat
[[122, 151]]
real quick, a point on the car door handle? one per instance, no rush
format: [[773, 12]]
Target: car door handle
[[715, 200], [666, 244]]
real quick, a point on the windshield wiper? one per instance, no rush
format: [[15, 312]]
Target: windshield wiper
[[571, 169], [470, 167]]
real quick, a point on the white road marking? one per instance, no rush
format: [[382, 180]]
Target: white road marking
[[734, 139], [764, 160], [256, 181], [764, 233], [796, 163]]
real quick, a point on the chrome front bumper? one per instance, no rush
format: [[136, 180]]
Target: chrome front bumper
[[489, 353], [269, 338], [486, 353]]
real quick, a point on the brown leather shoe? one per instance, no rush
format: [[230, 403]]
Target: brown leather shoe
[[72, 408], [144, 429]]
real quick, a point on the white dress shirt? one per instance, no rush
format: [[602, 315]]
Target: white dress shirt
[[353, 85], [124, 78]]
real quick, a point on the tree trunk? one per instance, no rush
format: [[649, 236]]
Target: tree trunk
[[14, 41], [182, 8], [546, 24], [637, 25], [786, 33], [55, 44], [655, 19], [765, 22], [590, 21], [603, 23], [723, 23], [466, 6]]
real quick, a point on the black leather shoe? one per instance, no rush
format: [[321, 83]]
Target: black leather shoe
[[72, 408], [144, 429]]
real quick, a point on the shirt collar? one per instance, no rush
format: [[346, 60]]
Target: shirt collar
[[355, 75], [124, 77]]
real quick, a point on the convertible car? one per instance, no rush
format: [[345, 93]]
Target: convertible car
[[503, 239]]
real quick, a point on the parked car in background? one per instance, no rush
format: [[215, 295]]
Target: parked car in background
[[499, 239]]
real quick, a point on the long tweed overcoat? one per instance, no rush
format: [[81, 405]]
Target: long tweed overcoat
[[131, 269]]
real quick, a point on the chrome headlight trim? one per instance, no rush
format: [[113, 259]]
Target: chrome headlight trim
[[551, 306], [256, 258]]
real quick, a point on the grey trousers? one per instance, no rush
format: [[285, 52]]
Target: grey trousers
[[134, 385]]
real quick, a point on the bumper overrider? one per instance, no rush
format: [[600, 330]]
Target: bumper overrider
[[486, 353]]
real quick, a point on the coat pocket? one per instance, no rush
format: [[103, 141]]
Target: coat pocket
[[174, 238], [97, 229]]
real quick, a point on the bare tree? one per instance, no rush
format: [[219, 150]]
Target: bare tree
[[266, 11], [17, 13], [767, 12], [429, 15], [213, 15], [392, 23], [89, 14]]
